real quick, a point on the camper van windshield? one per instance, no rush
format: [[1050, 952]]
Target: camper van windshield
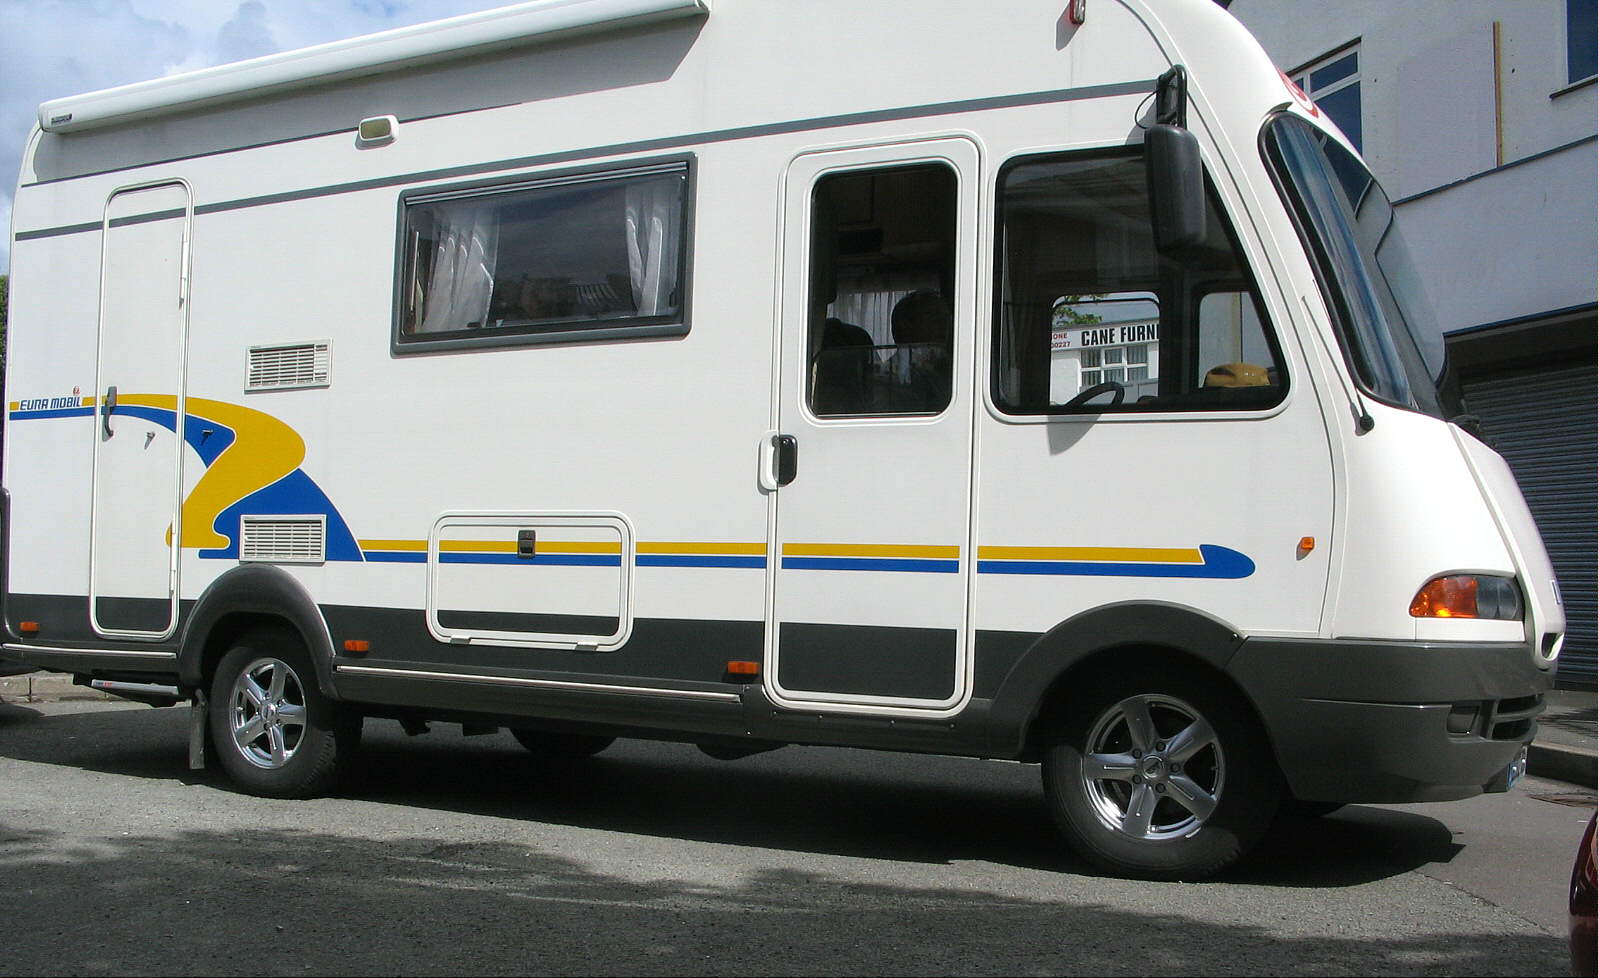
[[1382, 315]]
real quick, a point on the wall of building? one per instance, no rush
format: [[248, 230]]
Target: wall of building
[[1432, 116]]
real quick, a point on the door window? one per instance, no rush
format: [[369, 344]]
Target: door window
[[881, 311]]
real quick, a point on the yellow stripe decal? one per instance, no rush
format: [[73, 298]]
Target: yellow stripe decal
[[566, 547], [1153, 555], [869, 550], [746, 549]]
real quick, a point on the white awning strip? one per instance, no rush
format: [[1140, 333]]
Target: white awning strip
[[374, 53]]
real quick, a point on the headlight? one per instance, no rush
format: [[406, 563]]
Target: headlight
[[1468, 596]]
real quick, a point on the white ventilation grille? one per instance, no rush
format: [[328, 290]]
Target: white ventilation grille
[[283, 539], [277, 368]]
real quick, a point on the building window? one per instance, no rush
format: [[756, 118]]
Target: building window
[[1581, 38], [1089, 344], [1333, 84], [577, 256]]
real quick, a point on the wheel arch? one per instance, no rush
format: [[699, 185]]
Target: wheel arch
[[1104, 639], [243, 599]]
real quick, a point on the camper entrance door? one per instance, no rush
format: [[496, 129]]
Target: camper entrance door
[[138, 426], [873, 551]]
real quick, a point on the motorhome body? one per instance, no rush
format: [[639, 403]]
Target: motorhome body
[[651, 368]]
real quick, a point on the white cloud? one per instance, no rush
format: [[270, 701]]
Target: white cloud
[[51, 48], [246, 35]]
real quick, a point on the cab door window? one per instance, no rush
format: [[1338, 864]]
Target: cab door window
[[1091, 318]]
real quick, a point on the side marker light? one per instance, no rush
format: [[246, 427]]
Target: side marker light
[[740, 668], [357, 645], [1305, 545], [28, 627]]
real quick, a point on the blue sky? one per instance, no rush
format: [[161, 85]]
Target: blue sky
[[51, 48]]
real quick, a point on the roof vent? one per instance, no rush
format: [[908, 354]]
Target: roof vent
[[296, 365], [283, 539]]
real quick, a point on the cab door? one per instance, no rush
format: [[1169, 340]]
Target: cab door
[[872, 556], [138, 430]]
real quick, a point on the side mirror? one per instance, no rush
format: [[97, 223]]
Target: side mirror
[[1176, 188]]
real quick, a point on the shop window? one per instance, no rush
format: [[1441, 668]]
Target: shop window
[[881, 316], [1333, 84], [1091, 319], [586, 255]]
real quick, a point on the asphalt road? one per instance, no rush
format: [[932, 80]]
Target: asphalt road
[[447, 854]]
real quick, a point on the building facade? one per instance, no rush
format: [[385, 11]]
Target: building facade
[[1480, 118]]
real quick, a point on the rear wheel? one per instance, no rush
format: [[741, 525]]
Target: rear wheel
[[274, 732], [1162, 777], [561, 746]]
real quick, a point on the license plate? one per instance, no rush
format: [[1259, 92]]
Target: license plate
[[1517, 768]]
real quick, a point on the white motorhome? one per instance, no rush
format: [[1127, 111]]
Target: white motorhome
[[1044, 384]]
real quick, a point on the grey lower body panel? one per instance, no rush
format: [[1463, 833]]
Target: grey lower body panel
[[140, 665], [1391, 722]]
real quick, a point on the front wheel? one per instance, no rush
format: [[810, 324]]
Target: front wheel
[[275, 733], [1160, 778]]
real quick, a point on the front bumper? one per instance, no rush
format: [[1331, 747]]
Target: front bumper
[[1391, 722]]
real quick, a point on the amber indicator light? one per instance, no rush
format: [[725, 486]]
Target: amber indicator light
[[357, 645], [28, 627], [1305, 545], [739, 668], [1446, 597]]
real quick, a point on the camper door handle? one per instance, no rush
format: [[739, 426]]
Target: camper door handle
[[787, 452], [107, 405]]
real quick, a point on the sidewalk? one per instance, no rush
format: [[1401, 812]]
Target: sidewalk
[[1566, 748]]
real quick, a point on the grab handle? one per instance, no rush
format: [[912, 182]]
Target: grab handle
[[107, 405]]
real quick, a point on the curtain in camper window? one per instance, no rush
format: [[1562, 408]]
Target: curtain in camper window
[[654, 213], [462, 279]]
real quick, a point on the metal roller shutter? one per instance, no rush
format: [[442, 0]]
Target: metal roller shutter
[[1545, 423]]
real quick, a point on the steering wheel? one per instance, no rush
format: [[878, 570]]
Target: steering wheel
[[1105, 388]]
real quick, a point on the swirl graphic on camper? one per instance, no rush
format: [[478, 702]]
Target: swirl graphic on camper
[[252, 466]]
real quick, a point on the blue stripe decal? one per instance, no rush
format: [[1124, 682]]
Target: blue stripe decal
[[542, 560], [1220, 563], [699, 560], [77, 412], [911, 564], [395, 557]]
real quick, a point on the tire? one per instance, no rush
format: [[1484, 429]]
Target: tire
[[1163, 777], [554, 746], [274, 731]]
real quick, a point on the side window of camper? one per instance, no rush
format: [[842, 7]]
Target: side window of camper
[[579, 256], [1090, 318], [881, 329]]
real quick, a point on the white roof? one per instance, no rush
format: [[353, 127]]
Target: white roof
[[368, 55]]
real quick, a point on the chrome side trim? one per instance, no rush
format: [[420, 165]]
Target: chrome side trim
[[16, 647], [539, 683]]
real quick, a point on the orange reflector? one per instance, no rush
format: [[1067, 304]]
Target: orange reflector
[[743, 668], [28, 627], [1446, 597], [357, 645], [1306, 544]]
